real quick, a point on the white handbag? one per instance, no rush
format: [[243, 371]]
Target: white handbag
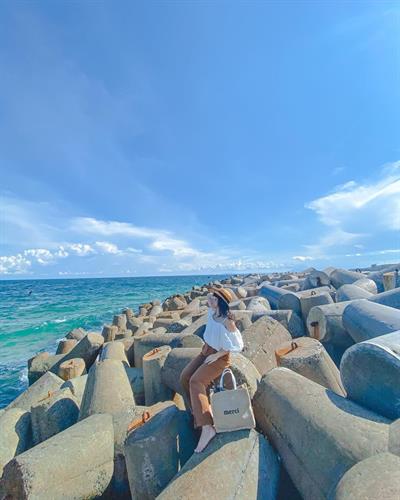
[[231, 408]]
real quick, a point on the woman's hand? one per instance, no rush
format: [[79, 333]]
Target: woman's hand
[[213, 357]]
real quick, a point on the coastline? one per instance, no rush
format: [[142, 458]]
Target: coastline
[[287, 359]]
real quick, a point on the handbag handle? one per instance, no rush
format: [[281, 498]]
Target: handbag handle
[[221, 380]]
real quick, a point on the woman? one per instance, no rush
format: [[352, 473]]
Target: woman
[[221, 337]]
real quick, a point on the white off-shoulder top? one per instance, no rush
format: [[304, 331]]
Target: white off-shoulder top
[[219, 337]]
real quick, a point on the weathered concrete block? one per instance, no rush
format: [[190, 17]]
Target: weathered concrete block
[[76, 386], [76, 463], [373, 478], [87, 349], [178, 326], [152, 452], [119, 321], [114, 350], [154, 390], [42, 363], [325, 323], [71, 368], [239, 464], [176, 361], [54, 414], [316, 279], [390, 298], [280, 299], [341, 277], [151, 341], [133, 323], [389, 281], [109, 332], [365, 320], [76, 333], [15, 435], [367, 284], [370, 373], [318, 434], [314, 300], [107, 389], [261, 340], [257, 304], [40, 389], [136, 379], [351, 292], [197, 327], [66, 345], [288, 319], [309, 358], [245, 373]]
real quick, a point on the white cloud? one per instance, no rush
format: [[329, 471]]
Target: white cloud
[[302, 258], [107, 247], [14, 264], [358, 210], [112, 228], [42, 255], [80, 249]]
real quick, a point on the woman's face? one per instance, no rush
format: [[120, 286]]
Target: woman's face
[[212, 301]]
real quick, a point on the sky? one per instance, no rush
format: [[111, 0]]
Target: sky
[[197, 137]]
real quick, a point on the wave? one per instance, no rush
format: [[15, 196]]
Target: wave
[[23, 377]]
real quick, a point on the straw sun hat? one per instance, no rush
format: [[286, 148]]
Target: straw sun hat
[[224, 293]]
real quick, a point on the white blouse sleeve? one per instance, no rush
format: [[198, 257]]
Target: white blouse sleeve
[[231, 341]]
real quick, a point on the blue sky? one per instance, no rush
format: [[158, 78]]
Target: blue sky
[[150, 138]]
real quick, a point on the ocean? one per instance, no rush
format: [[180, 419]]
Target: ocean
[[35, 314]]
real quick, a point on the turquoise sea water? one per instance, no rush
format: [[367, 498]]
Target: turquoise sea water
[[35, 314]]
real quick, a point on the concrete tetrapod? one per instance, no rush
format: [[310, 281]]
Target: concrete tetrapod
[[367, 284], [71, 368], [66, 345], [341, 277], [279, 298], [76, 463], [318, 434], [152, 452], [314, 300], [365, 320], [390, 298], [107, 389], [114, 350], [54, 414], [287, 318], [325, 323], [309, 358], [261, 340], [87, 349], [15, 435], [373, 478], [151, 341], [77, 386], [370, 372], [154, 390], [37, 391], [136, 379], [351, 292], [240, 464]]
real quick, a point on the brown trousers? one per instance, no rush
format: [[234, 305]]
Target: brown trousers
[[196, 379]]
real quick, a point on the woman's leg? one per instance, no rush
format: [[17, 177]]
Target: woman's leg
[[198, 385], [186, 373]]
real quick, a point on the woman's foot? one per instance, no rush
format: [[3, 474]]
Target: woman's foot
[[207, 433]]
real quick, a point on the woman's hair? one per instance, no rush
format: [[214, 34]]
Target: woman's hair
[[224, 308]]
